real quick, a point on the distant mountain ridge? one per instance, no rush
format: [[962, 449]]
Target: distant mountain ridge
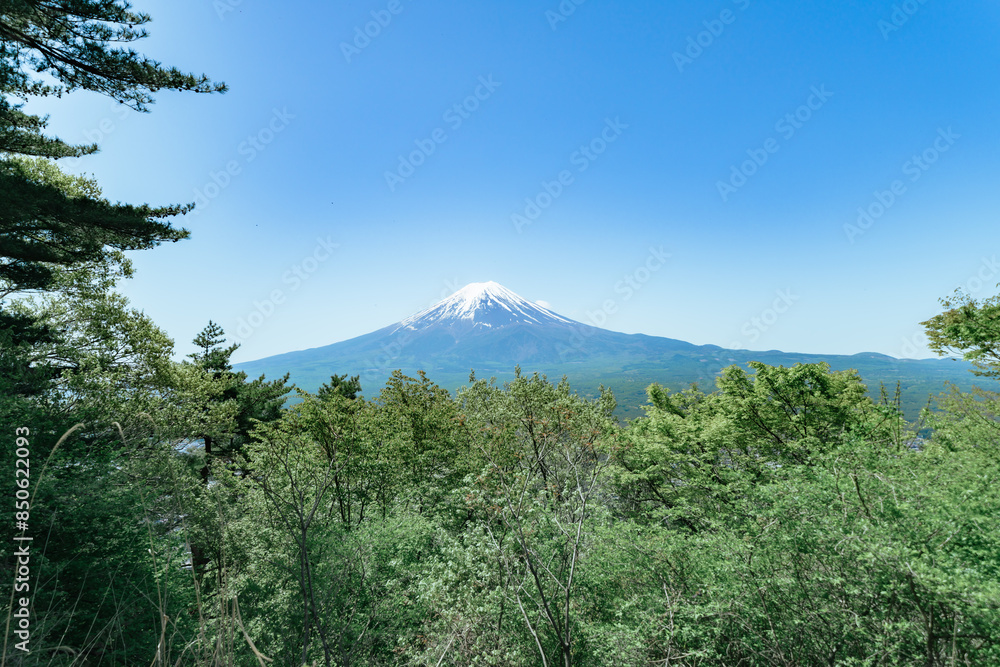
[[488, 328]]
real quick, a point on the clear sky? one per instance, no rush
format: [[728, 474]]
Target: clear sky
[[692, 170]]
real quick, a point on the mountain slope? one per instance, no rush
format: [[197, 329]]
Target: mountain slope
[[488, 328]]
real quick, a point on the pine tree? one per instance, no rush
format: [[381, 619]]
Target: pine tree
[[255, 401], [213, 356], [51, 47], [49, 221], [245, 403], [48, 48], [341, 385]]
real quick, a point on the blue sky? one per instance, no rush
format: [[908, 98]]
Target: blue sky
[[690, 170]]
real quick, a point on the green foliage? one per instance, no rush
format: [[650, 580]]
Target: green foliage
[[695, 456], [783, 519], [428, 441], [545, 533], [868, 558], [233, 406], [788, 415], [50, 47], [342, 385], [544, 450], [323, 584], [341, 429], [50, 220], [969, 328], [680, 464]]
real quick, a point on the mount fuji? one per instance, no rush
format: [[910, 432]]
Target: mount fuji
[[490, 325], [483, 326], [487, 328]]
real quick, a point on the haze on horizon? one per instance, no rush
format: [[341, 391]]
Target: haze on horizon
[[700, 168]]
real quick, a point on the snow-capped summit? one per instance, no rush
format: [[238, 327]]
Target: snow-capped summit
[[487, 305]]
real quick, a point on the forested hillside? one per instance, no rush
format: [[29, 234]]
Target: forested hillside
[[784, 518]]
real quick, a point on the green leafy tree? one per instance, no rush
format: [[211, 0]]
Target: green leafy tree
[[297, 530], [429, 443], [342, 426], [791, 414], [72, 351], [212, 404], [694, 456], [70, 314], [110, 554], [540, 490], [680, 464], [970, 328], [867, 555]]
